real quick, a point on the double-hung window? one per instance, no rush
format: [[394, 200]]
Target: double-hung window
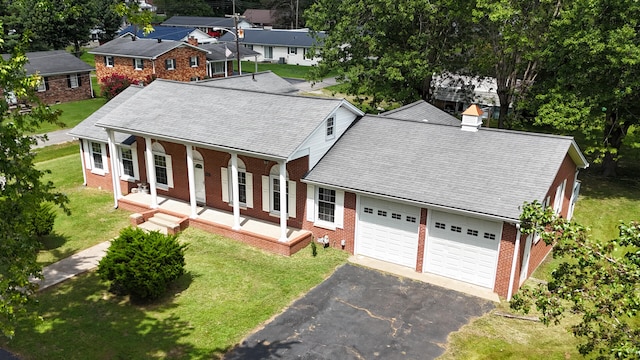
[[268, 52], [217, 67], [170, 64], [108, 61], [326, 204], [43, 84], [292, 50], [331, 127], [245, 185], [138, 64], [242, 187], [193, 61], [73, 81], [96, 156], [129, 163], [163, 167]]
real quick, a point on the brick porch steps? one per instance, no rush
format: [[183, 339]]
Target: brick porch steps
[[149, 226], [165, 220]]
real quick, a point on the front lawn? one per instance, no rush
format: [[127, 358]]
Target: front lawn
[[93, 218], [229, 289], [73, 113]]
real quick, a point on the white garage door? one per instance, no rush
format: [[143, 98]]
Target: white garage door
[[463, 248], [388, 231]]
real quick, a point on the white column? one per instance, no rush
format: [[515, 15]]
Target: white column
[[283, 201], [192, 182], [235, 191], [151, 173], [82, 160], [115, 179]]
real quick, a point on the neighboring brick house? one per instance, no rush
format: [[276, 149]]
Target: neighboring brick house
[[414, 187], [145, 59], [213, 26], [64, 77]]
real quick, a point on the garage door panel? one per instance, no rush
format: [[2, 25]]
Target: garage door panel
[[462, 248], [384, 232]]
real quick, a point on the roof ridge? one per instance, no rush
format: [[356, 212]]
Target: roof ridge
[[530, 133]]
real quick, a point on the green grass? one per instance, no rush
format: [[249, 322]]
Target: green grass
[[88, 58], [72, 114], [93, 218], [228, 290], [282, 70]]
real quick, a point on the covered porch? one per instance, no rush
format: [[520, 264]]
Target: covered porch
[[255, 232]]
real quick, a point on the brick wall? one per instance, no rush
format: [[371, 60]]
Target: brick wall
[[422, 234], [336, 236], [183, 71], [59, 91], [505, 259]]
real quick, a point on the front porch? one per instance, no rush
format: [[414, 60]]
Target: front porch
[[255, 232]]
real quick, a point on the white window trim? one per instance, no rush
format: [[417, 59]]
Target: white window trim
[[330, 124], [227, 185], [291, 195], [73, 77], [138, 66], [172, 63], [270, 51], [109, 61], [291, 50], [213, 67], [42, 85], [105, 164], [194, 61], [134, 156], [338, 213], [159, 150]]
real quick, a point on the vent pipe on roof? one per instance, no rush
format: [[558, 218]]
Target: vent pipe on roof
[[472, 118], [159, 40]]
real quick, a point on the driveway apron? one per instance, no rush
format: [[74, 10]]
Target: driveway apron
[[360, 313]]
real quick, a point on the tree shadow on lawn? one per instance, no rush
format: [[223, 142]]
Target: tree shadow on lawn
[[52, 241], [82, 320], [261, 350], [599, 187]]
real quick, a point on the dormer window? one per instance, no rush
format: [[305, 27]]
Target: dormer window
[[331, 127]]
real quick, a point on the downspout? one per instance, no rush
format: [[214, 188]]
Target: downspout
[[516, 251]]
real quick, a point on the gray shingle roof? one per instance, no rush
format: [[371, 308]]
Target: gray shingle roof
[[53, 62], [195, 21], [217, 52], [160, 32], [262, 81], [140, 48], [490, 172], [275, 37], [87, 129], [423, 111], [272, 125]]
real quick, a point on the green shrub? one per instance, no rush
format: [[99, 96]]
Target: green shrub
[[42, 219], [142, 264]]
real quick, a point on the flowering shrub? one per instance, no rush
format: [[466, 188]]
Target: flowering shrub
[[112, 85]]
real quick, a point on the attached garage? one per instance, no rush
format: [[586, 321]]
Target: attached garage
[[463, 248], [388, 231]]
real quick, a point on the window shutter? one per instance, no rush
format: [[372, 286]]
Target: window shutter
[[265, 194], [79, 79], [133, 61], [311, 209], [224, 180], [292, 199], [87, 154], [339, 214], [46, 83], [69, 81], [169, 170], [249, 187]]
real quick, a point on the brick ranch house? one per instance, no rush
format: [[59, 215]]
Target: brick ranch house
[[64, 77], [143, 59], [414, 187]]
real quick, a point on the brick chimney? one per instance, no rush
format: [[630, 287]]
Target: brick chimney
[[472, 118], [192, 41]]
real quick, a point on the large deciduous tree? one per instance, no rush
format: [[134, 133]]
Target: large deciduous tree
[[510, 39], [22, 191], [596, 279], [389, 49], [592, 81]]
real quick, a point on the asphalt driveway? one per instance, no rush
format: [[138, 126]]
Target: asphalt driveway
[[359, 313]]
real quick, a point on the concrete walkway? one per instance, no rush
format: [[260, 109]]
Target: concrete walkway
[[55, 137], [75, 264]]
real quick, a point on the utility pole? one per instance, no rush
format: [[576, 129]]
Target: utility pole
[[236, 17]]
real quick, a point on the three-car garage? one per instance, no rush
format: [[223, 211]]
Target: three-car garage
[[456, 246]]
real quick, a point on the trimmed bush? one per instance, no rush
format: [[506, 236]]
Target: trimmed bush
[[142, 264], [41, 221]]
